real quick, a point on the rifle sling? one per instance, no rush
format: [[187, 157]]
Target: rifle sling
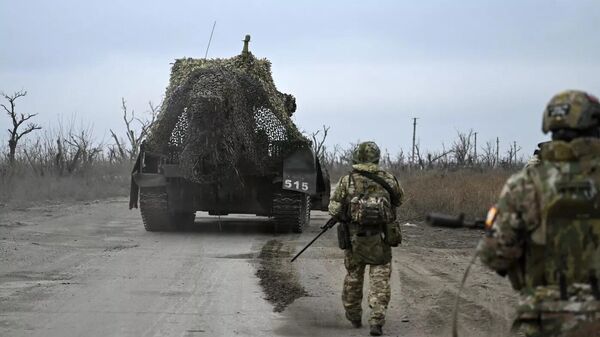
[[379, 180]]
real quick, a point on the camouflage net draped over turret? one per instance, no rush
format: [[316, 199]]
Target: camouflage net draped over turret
[[223, 118]]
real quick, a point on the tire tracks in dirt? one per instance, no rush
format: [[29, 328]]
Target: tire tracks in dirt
[[430, 279], [277, 277]]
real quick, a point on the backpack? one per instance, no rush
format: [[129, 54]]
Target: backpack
[[565, 249], [372, 205]]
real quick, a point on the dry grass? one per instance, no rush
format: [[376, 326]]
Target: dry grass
[[66, 162], [63, 164], [19, 186], [81, 171], [468, 191]]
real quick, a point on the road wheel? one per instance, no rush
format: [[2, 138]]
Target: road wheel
[[154, 207], [291, 210], [306, 204]]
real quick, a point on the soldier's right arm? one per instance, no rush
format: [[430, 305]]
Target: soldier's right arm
[[337, 199], [400, 192], [397, 188]]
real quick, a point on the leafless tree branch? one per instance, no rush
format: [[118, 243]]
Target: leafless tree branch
[[17, 120], [319, 141], [136, 130]]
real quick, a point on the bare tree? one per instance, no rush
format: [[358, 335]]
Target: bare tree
[[17, 121], [439, 158], [511, 154], [318, 139], [386, 159], [417, 158], [85, 151], [134, 139], [489, 154], [462, 148]]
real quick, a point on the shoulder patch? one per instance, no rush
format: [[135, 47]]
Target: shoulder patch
[[491, 217]]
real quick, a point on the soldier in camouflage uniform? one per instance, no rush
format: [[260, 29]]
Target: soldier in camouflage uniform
[[544, 232], [368, 246]]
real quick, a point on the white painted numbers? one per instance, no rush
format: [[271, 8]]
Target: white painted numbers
[[295, 185]]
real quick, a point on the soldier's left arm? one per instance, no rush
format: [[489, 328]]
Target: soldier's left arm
[[502, 247], [336, 202]]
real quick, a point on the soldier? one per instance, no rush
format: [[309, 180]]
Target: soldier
[[367, 207], [544, 232]]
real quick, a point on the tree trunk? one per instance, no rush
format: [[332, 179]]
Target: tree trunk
[[12, 146]]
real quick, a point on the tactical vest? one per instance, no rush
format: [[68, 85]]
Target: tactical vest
[[564, 248]]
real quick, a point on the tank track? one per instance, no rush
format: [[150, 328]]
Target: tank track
[[156, 216], [291, 210]]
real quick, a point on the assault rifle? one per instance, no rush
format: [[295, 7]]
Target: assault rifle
[[327, 226], [443, 220]]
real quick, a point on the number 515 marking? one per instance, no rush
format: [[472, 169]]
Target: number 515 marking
[[295, 184]]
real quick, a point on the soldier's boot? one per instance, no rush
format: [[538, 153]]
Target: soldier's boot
[[376, 330], [356, 323]]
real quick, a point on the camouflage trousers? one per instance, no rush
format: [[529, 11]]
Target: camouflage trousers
[[379, 292]]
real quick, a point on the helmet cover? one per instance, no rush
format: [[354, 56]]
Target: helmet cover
[[571, 109], [366, 152]]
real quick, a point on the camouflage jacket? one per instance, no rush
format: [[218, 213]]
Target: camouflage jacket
[[347, 188], [526, 222]]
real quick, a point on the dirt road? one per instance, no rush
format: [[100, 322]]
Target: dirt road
[[91, 270]]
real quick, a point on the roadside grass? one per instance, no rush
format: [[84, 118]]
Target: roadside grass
[[20, 186], [467, 190], [470, 191]]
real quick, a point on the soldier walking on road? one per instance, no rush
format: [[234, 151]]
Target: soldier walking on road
[[544, 232], [365, 203]]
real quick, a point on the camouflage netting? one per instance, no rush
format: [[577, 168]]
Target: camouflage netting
[[225, 116]]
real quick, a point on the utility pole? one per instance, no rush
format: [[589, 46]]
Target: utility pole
[[497, 151], [414, 144], [516, 150], [475, 148]]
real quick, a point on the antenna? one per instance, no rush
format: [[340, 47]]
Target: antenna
[[210, 39]]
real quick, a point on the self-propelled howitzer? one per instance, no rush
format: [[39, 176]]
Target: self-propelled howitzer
[[224, 142]]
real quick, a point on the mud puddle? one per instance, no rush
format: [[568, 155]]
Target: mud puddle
[[277, 277]]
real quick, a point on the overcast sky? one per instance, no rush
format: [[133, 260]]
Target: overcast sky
[[365, 68]]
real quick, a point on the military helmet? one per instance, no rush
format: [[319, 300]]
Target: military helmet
[[366, 152], [572, 109]]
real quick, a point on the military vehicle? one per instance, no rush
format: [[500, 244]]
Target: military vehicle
[[224, 143]]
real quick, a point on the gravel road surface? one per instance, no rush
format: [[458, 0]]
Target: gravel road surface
[[90, 269]]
